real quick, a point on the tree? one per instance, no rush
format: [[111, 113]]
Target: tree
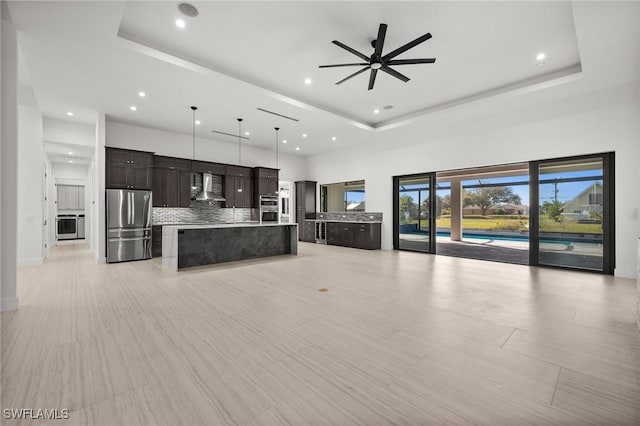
[[487, 197], [407, 206], [553, 209]]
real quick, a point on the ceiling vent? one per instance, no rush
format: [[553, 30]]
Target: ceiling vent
[[279, 115]]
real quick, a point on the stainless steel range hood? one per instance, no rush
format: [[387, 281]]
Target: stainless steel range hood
[[207, 193]]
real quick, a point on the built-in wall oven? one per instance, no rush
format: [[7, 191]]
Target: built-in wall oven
[[67, 227], [268, 209]]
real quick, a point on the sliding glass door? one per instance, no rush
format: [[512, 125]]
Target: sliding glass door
[[414, 227], [482, 213], [574, 203]]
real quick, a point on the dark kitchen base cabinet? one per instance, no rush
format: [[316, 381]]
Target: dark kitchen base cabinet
[[156, 241], [354, 234], [308, 231]]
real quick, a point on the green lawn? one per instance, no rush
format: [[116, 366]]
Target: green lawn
[[517, 224]]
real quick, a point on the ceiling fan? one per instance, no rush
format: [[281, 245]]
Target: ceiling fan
[[377, 61]]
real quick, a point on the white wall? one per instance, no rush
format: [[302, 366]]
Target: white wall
[[98, 208], [127, 136], [595, 122], [8, 161], [30, 180], [68, 132]]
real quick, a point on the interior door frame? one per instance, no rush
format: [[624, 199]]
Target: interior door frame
[[608, 208], [432, 210]]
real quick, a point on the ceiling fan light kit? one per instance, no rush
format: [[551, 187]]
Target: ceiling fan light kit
[[379, 62]]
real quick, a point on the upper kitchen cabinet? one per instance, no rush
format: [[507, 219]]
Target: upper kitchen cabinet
[[206, 167], [265, 182], [127, 169], [171, 182], [238, 192], [238, 187]]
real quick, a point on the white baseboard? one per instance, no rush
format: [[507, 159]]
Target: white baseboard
[[30, 261], [101, 260], [8, 304]]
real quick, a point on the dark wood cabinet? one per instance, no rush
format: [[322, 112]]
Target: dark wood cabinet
[[206, 167], [368, 235], [354, 234], [265, 186], [305, 204], [238, 191], [156, 241], [308, 231], [239, 171], [127, 169], [171, 182]]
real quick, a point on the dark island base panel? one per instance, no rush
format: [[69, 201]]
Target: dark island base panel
[[197, 247]]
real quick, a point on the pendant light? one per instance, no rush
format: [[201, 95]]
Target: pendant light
[[240, 149], [193, 124]]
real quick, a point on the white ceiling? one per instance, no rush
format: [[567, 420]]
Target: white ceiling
[[90, 57], [68, 153]]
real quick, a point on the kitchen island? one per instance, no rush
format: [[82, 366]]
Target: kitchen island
[[185, 246]]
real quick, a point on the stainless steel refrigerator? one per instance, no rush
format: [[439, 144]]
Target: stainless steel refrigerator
[[128, 225]]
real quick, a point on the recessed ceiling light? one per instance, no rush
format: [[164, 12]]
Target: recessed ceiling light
[[541, 56], [376, 111], [307, 81], [297, 148], [247, 133], [304, 135], [284, 141], [70, 153], [333, 138], [71, 161], [197, 122], [142, 94], [133, 108], [180, 23], [69, 113]]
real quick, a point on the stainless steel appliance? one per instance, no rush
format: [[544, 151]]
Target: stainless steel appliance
[[268, 208], [67, 227], [80, 226], [128, 225]]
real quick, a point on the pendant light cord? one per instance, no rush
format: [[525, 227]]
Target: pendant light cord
[[277, 128], [239, 141]]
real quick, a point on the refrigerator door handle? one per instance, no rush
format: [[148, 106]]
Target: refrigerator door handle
[[131, 239], [129, 222], [133, 209]]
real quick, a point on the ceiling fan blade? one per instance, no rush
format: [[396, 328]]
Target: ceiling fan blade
[[411, 61], [353, 75], [382, 32], [406, 47], [394, 73], [349, 49], [372, 78], [343, 65]]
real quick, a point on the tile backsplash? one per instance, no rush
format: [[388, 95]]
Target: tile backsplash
[[350, 216], [199, 212]]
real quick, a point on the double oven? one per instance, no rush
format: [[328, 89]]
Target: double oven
[[268, 209]]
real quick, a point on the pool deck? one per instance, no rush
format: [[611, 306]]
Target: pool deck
[[581, 255]]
